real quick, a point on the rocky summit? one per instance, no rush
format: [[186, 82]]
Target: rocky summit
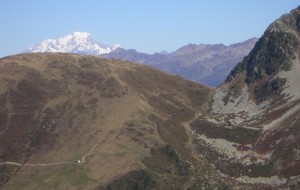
[[70, 121], [252, 130]]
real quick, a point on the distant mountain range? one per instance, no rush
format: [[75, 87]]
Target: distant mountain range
[[71, 121], [77, 42], [204, 63]]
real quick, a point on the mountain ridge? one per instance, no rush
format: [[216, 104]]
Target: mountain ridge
[[77, 42], [112, 124], [207, 64], [254, 115], [60, 108]]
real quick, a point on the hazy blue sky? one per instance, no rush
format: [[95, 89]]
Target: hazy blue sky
[[145, 25]]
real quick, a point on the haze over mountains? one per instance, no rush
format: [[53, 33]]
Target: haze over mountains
[[70, 121], [203, 63]]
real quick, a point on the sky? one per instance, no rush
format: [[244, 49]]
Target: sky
[[145, 25]]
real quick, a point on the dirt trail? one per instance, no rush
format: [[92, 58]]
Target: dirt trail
[[83, 160], [189, 133], [49, 164], [91, 152], [11, 163]]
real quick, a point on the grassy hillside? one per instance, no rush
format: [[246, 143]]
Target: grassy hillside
[[124, 123]]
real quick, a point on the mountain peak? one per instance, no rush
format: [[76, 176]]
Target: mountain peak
[[77, 42], [279, 43], [81, 34], [262, 94]]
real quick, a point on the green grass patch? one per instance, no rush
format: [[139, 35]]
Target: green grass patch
[[238, 135], [72, 176]]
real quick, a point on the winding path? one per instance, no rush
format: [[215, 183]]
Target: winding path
[[91, 152], [83, 160]]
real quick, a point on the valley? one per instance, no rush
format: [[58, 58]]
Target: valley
[[73, 121]]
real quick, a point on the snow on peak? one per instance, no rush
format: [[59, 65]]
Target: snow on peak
[[116, 47], [77, 42], [81, 34]]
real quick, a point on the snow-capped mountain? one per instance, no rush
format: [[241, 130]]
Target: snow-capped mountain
[[77, 42]]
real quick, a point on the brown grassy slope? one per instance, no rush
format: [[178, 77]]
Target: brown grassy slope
[[56, 107]]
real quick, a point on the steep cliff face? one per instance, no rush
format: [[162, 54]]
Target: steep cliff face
[[81, 122], [253, 126], [270, 69], [277, 51]]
